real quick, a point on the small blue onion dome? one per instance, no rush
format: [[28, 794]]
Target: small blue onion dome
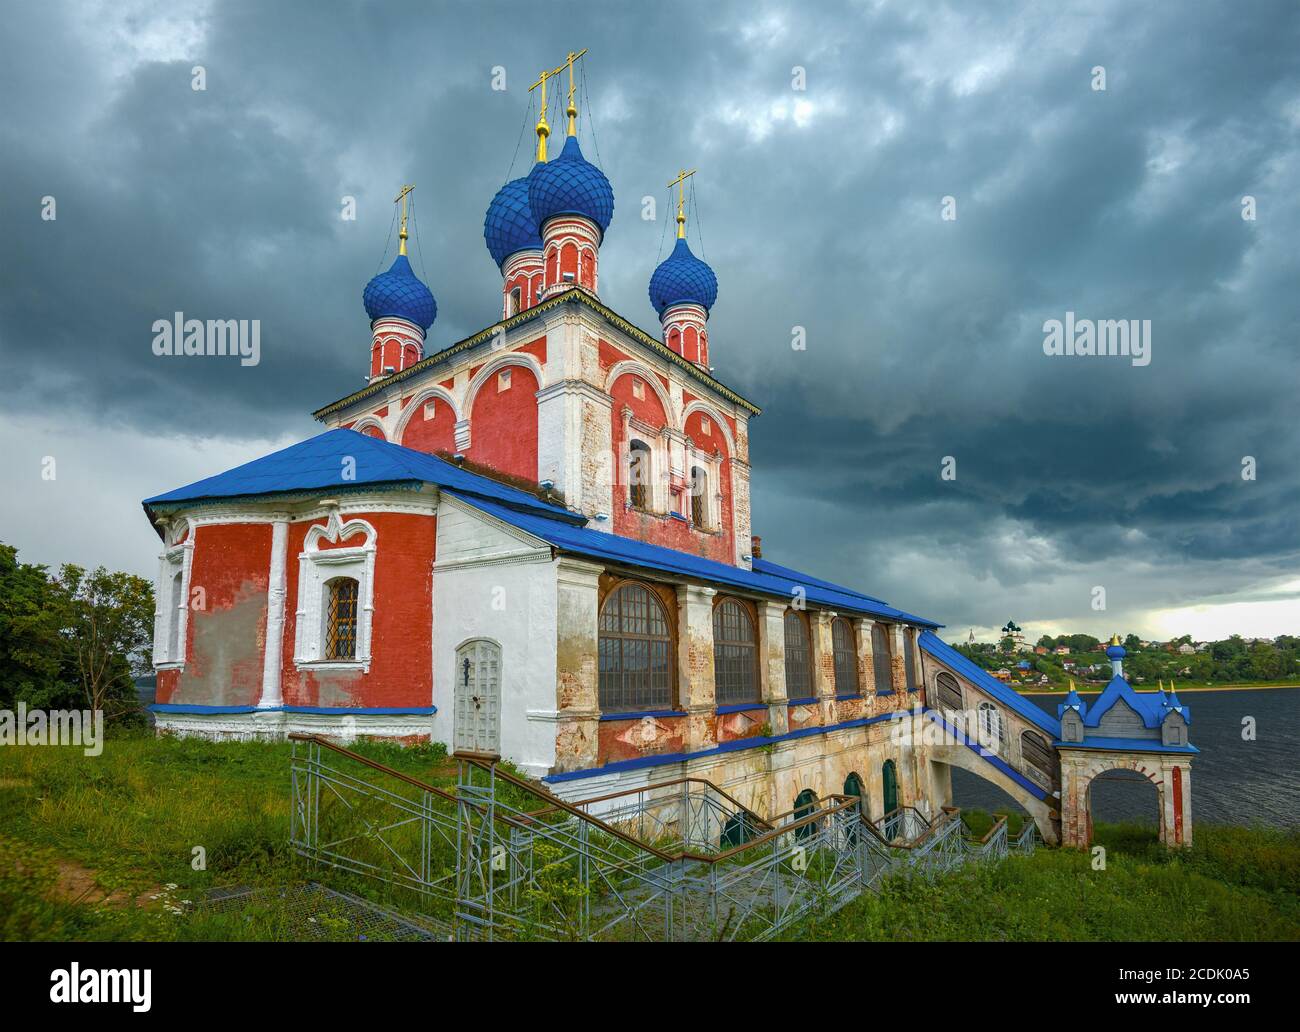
[[398, 292], [509, 226], [570, 185], [682, 278], [1116, 651]]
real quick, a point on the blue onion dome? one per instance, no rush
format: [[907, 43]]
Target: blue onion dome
[[1115, 650], [682, 278], [398, 292], [509, 226], [570, 185]]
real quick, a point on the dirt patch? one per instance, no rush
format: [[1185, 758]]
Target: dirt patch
[[78, 884]]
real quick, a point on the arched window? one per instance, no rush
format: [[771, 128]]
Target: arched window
[[844, 645], [948, 690], [635, 652], [798, 659], [909, 658], [638, 474], [174, 650], [516, 301], [735, 654], [881, 662], [1035, 751], [341, 618], [990, 729], [699, 496]]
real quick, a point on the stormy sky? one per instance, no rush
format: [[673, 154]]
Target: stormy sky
[[821, 208]]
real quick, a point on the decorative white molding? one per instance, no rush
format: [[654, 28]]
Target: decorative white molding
[[418, 402], [273, 653], [315, 569]]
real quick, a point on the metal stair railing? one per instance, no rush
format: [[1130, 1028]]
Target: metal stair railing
[[502, 857]]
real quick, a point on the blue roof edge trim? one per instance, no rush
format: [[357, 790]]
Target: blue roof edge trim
[[1150, 745], [735, 745], [326, 711], [981, 678]]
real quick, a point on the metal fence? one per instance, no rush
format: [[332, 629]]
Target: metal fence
[[497, 856]]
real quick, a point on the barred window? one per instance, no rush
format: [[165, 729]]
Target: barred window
[[909, 658], [844, 645], [638, 474], [699, 496], [635, 652], [881, 661], [949, 691], [735, 654], [1037, 753], [798, 659], [990, 727], [341, 618]]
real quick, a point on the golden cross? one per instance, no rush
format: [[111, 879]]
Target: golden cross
[[543, 130], [680, 183], [572, 111], [401, 236]]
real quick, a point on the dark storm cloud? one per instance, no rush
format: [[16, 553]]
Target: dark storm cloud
[[819, 209]]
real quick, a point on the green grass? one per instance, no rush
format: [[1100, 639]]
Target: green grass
[[127, 822], [1235, 884], [130, 820]]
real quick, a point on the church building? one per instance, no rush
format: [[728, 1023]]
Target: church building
[[536, 543]]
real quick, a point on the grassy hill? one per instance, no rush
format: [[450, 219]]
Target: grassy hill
[[104, 848]]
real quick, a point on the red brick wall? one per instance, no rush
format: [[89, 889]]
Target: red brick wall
[[225, 640], [503, 424], [402, 630]]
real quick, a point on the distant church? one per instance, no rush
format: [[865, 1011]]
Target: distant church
[[535, 543]]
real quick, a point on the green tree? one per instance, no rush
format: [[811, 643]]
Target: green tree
[[33, 650], [108, 619]]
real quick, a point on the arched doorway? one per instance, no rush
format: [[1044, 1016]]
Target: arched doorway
[[853, 787], [1124, 798], [889, 786], [805, 803], [889, 781]]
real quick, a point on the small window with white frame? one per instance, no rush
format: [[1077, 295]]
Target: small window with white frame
[[335, 595]]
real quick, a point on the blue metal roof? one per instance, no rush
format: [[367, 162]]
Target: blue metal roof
[[322, 463], [681, 278], [570, 185], [342, 459], [399, 292], [600, 545], [509, 226], [1152, 707], [990, 685]]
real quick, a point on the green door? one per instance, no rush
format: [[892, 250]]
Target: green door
[[853, 787], [890, 778], [805, 803]]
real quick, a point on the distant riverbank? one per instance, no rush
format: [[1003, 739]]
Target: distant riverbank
[[1097, 690]]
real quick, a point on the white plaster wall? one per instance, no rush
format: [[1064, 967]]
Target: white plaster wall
[[496, 583]]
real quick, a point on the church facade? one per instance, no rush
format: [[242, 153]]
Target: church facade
[[536, 543]]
